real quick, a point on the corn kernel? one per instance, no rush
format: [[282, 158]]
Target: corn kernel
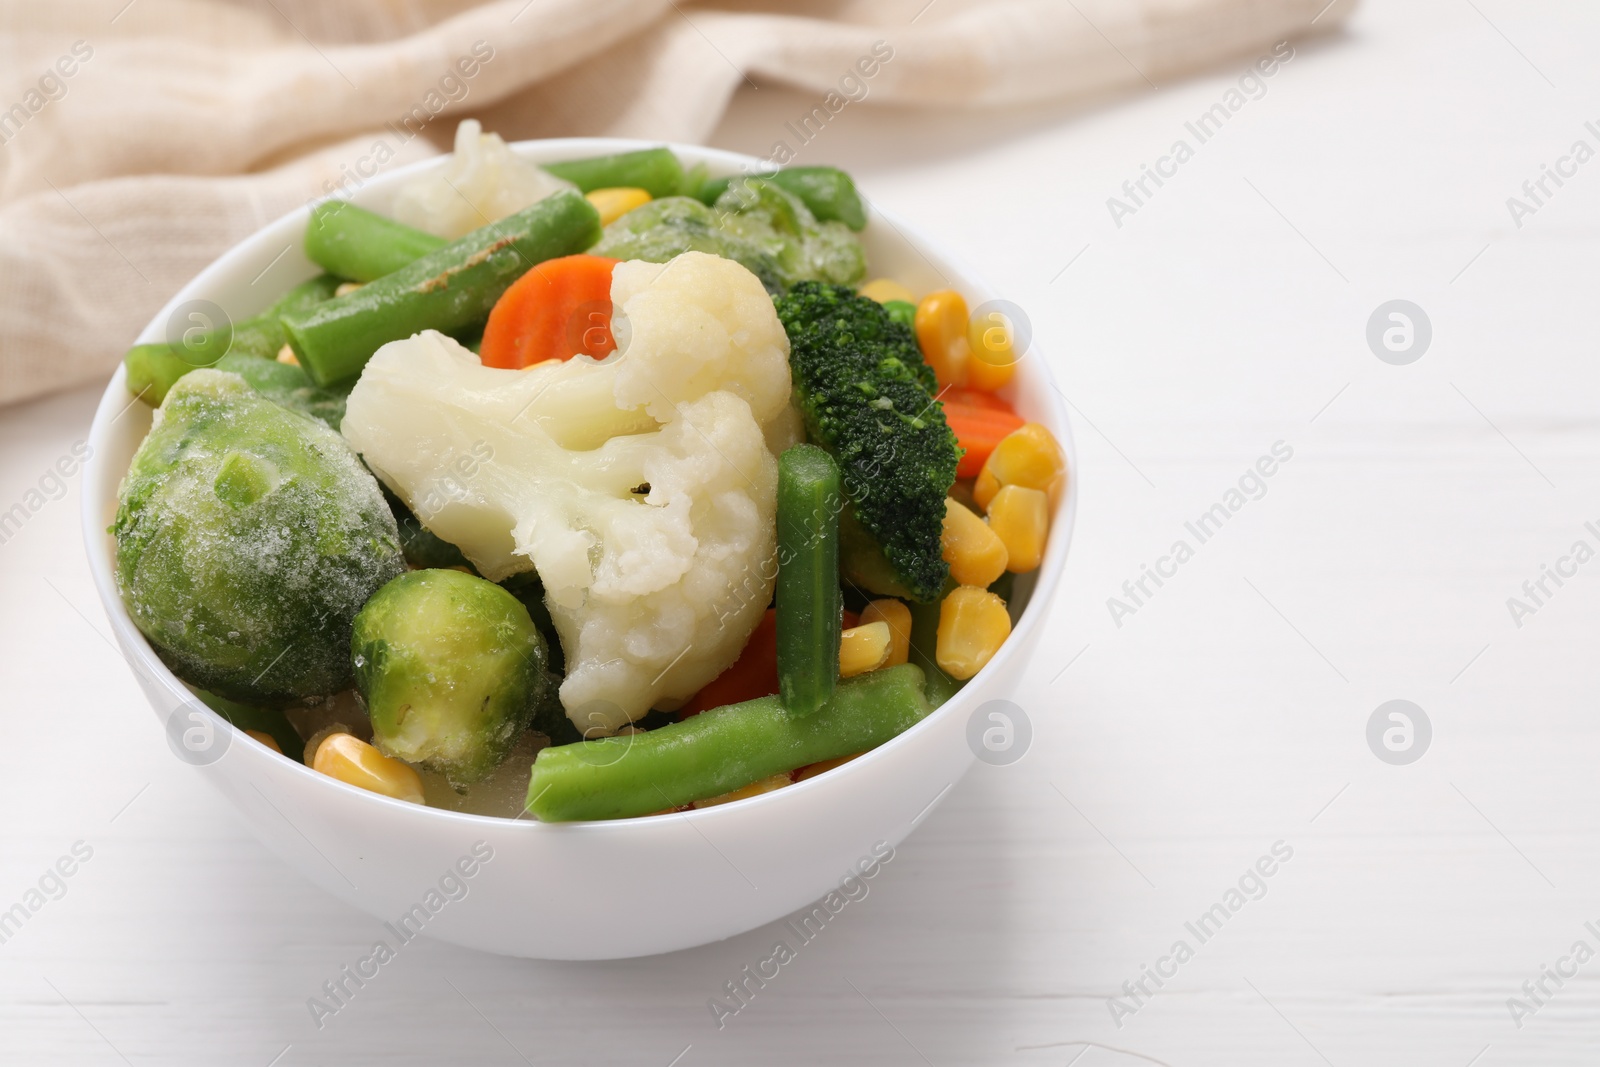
[[616, 202], [941, 327], [756, 788], [973, 624], [314, 742], [897, 617], [286, 355], [884, 290], [992, 340], [266, 739], [989, 377], [1028, 456], [1021, 518], [863, 648], [354, 762], [975, 553]]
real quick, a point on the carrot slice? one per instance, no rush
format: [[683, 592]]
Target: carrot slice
[[560, 308], [966, 397], [979, 426], [754, 674]]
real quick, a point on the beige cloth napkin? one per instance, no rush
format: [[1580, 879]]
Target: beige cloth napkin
[[141, 138]]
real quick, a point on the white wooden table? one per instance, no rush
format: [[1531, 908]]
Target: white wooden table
[[1228, 713]]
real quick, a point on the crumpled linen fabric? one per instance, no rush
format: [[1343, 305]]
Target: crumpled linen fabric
[[139, 140]]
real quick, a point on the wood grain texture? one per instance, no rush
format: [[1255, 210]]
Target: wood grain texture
[[1226, 714]]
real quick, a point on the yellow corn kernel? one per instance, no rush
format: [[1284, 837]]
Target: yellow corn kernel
[[991, 339], [286, 355], [897, 617], [975, 553], [756, 788], [989, 377], [1021, 518], [314, 742], [973, 624], [616, 202], [1028, 456], [266, 739], [863, 648], [354, 762], [884, 290], [941, 326]]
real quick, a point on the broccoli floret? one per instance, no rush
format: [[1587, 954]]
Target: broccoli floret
[[868, 397]]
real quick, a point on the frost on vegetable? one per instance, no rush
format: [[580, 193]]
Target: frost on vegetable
[[248, 537], [640, 488], [484, 182], [754, 222]]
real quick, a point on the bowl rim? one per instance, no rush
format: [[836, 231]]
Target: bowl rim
[[142, 659]]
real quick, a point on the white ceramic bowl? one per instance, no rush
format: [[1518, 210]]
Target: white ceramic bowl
[[598, 890]]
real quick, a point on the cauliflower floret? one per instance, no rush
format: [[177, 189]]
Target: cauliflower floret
[[641, 488], [483, 183]]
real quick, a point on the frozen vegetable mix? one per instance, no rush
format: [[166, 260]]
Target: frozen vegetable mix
[[590, 489]]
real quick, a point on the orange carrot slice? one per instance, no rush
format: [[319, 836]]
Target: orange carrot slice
[[560, 308], [979, 426]]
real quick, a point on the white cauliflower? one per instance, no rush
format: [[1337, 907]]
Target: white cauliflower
[[483, 183], [641, 488]]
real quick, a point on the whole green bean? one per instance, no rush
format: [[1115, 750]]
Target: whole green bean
[[656, 170], [355, 243], [448, 290], [829, 192], [720, 750], [808, 596]]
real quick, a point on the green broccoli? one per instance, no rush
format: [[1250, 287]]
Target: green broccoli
[[868, 397]]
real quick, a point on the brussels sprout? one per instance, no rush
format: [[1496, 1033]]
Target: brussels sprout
[[452, 670], [248, 537], [753, 222], [779, 221], [672, 225]]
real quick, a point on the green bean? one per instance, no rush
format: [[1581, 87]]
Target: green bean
[[448, 290], [656, 170], [828, 191], [808, 596], [153, 368], [354, 243], [288, 386], [720, 750], [307, 294], [924, 643]]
